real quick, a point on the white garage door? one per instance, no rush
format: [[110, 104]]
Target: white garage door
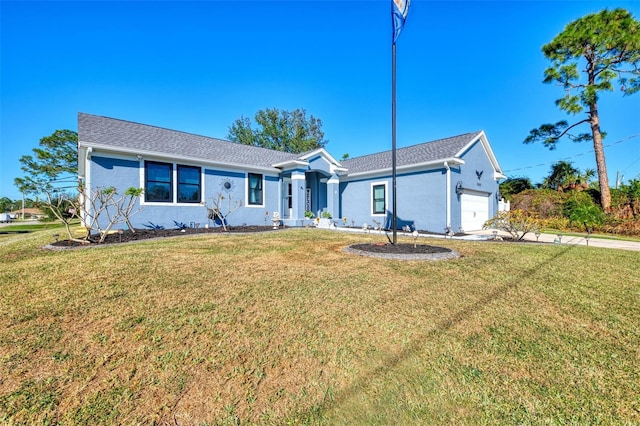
[[475, 210]]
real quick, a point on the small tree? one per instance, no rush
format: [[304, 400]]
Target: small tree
[[106, 208], [64, 208], [218, 212], [125, 208], [100, 210], [517, 223], [54, 162]]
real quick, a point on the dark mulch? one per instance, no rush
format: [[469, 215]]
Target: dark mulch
[[402, 251], [400, 248], [146, 234]]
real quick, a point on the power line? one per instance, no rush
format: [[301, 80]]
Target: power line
[[632, 163], [628, 138]]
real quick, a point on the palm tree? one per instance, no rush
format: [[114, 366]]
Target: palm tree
[[584, 179], [563, 176]]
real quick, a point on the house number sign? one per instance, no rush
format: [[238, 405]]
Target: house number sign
[[307, 200]]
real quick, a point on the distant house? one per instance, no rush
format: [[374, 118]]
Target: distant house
[[29, 213], [449, 183]]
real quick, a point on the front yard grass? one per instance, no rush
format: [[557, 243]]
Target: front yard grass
[[285, 328]]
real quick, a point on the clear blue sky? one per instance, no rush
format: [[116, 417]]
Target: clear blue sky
[[197, 66]]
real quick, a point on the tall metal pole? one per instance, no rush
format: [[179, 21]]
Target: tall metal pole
[[393, 142]]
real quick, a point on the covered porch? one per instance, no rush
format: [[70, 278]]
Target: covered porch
[[309, 184]]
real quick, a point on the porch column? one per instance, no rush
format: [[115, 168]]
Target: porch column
[[298, 185], [333, 196]]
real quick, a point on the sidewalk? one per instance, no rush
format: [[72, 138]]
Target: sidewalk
[[567, 239], [487, 234]]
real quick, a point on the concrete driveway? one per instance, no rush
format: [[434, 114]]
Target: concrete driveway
[[568, 239]]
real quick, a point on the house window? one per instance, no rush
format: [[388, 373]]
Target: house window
[[379, 198], [254, 189], [188, 184], [158, 182]]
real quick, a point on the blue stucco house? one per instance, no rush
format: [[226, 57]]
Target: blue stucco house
[[449, 183]]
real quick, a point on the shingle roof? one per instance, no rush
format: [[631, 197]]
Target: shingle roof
[[135, 137], [441, 149], [142, 138]]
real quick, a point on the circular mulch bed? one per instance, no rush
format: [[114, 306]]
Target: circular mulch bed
[[402, 251]]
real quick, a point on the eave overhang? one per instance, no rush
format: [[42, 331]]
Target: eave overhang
[[433, 165], [96, 148]]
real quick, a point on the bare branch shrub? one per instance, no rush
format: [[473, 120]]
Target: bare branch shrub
[[217, 211], [517, 223], [93, 208]]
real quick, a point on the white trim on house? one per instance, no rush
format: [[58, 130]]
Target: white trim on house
[[433, 165], [86, 190], [482, 138], [448, 195], [151, 155], [290, 164], [323, 153], [334, 166]]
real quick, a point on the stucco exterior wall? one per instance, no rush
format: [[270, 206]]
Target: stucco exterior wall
[[420, 201], [476, 160], [319, 163], [422, 195], [123, 173]]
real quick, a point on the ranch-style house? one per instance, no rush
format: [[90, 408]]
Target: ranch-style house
[[446, 184]]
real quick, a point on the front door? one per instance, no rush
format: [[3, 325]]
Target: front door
[[287, 199]]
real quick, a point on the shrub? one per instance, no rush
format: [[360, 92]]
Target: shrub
[[517, 223], [513, 186], [570, 210], [559, 223], [153, 226], [625, 201], [581, 210], [180, 225], [543, 202]]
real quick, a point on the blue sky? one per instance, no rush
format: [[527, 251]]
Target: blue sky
[[197, 66]]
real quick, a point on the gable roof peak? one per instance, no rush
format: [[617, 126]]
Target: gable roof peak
[[422, 153]]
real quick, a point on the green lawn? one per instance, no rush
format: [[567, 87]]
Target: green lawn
[[31, 227], [285, 328]]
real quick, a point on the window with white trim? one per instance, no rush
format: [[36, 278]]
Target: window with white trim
[[188, 184], [159, 183], [379, 198], [255, 192]]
